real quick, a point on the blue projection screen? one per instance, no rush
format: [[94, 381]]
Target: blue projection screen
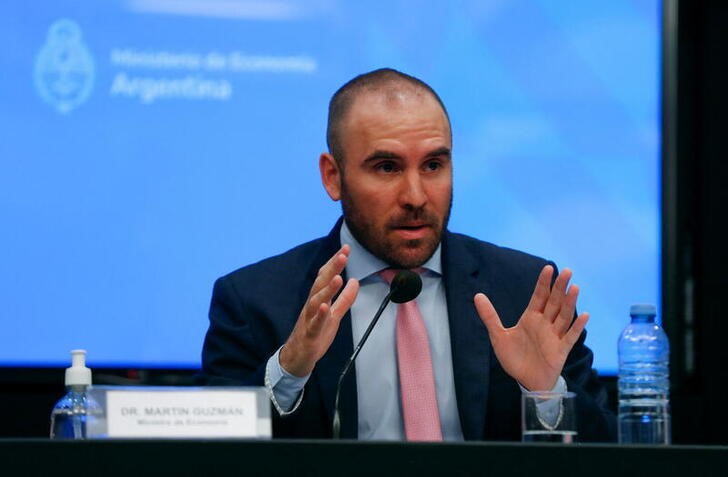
[[149, 146]]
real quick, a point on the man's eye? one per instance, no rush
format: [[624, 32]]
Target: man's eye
[[433, 165], [386, 167]]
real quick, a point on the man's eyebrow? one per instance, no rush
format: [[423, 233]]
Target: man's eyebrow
[[440, 151], [380, 154]]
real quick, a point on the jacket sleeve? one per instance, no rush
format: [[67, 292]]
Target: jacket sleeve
[[232, 353]]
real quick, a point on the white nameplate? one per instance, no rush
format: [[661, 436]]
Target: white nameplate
[[179, 412]]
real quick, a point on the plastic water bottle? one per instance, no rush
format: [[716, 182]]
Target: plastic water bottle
[[68, 417], [644, 382]]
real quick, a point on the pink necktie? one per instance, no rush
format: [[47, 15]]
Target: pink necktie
[[416, 378]]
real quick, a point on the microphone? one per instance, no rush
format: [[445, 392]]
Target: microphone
[[405, 286]]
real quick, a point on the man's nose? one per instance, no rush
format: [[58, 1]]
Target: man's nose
[[412, 194]]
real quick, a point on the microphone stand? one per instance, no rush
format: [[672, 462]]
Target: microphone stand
[[336, 426]]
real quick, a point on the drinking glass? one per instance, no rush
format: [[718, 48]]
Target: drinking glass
[[548, 416]]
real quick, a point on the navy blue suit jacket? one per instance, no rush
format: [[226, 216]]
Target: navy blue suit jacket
[[254, 309]]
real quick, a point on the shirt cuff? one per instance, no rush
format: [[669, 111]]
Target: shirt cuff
[[559, 387], [284, 389]]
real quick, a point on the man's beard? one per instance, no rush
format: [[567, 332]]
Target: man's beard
[[381, 246]]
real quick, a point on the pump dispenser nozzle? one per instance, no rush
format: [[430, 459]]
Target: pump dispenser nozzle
[[78, 374]]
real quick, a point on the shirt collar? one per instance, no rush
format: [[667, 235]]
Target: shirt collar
[[362, 263]]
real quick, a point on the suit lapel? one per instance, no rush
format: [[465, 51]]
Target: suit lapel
[[329, 367], [471, 347]]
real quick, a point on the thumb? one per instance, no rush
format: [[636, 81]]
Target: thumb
[[488, 315]]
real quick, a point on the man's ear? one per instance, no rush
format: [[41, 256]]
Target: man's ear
[[330, 175]]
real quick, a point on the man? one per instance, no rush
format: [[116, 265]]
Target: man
[[494, 320]]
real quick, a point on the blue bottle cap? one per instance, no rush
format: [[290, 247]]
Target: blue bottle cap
[[643, 309]]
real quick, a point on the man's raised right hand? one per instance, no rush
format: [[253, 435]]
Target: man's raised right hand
[[319, 320]]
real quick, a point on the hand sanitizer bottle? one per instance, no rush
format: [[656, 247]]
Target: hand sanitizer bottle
[[68, 418]]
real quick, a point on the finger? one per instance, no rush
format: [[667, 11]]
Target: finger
[[334, 266], [565, 315], [572, 336], [319, 321], [345, 299], [323, 295], [488, 316], [330, 315], [542, 290], [556, 296]]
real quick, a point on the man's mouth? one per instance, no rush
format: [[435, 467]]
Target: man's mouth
[[412, 231]]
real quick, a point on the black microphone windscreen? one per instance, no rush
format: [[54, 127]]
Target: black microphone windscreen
[[406, 285]]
